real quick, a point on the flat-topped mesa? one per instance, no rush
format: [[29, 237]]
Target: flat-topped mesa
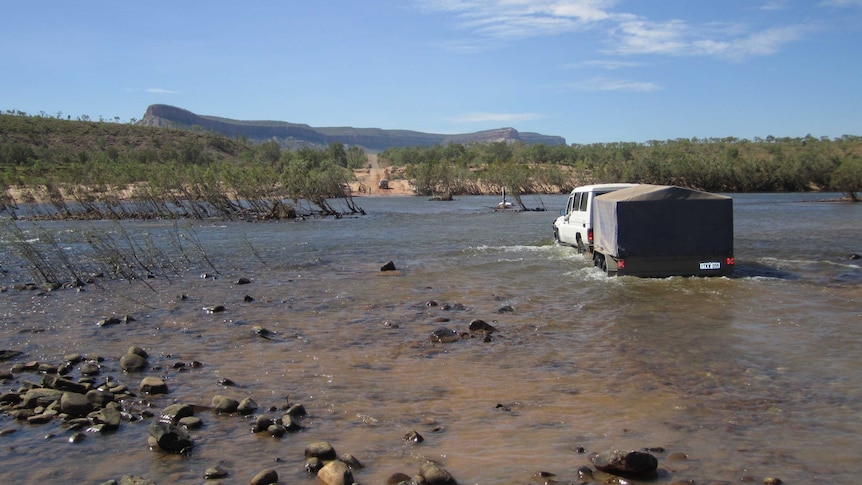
[[295, 134]]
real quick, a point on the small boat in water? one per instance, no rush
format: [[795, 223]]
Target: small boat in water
[[504, 204]]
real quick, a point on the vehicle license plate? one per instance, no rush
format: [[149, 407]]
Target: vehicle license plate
[[710, 265]]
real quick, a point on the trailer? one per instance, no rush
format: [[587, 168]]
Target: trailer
[[660, 230]]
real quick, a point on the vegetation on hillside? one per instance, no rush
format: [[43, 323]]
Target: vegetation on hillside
[[112, 170], [105, 169]]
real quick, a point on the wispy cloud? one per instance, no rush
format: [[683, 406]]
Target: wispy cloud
[[494, 21], [606, 84], [609, 65], [841, 3], [478, 117], [512, 19], [161, 91], [678, 38], [773, 5]]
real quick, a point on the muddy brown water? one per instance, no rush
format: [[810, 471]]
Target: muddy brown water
[[751, 376]]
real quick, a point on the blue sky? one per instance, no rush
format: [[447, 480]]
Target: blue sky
[[589, 70]]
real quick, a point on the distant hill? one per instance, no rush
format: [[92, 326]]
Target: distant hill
[[294, 135]]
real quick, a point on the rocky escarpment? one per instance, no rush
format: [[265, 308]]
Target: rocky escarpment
[[295, 135]]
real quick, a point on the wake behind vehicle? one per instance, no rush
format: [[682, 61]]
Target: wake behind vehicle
[[658, 231]]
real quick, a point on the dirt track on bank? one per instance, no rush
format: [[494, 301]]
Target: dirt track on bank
[[368, 180]]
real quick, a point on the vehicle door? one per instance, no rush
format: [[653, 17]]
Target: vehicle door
[[575, 227], [580, 217]]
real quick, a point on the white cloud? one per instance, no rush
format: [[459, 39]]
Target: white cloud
[[514, 19], [478, 117], [678, 38], [841, 3], [161, 91], [605, 84], [609, 65], [767, 42], [638, 36], [489, 22], [772, 5]]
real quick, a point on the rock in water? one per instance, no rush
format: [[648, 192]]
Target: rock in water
[[75, 404], [626, 463], [9, 354], [170, 438], [153, 385], [175, 412], [224, 405], [321, 450], [436, 475], [265, 477], [132, 362], [479, 325], [444, 336], [335, 473]]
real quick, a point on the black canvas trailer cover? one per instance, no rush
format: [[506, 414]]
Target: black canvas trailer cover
[[661, 230]]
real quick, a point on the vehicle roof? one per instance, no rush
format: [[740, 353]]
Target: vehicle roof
[[648, 192], [595, 187]]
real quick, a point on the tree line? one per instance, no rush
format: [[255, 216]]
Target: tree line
[[712, 164], [110, 170], [114, 170]]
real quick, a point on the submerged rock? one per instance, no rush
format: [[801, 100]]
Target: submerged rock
[[444, 335], [169, 438], [434, 474], [224, 404], [265, 477], [413, 437], [481, 326], [215, 473], [626, 463], [9, 354]]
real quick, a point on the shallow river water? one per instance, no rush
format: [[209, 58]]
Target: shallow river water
[[727, 379]]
